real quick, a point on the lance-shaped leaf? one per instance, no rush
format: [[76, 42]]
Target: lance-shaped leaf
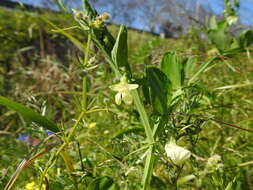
[[88, 10], [29, 114], [120, 49]]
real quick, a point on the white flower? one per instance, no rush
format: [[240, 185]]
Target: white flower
[[232, 20], [178, 155], [214, 162], [124, 91]]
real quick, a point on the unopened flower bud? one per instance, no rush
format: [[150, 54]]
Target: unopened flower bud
[[97, 23], [105, 16], [77, 14]]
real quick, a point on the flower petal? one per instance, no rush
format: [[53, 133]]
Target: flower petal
[[127, 97], [120, 87], [132, 86], [178, 155], [118, 98]]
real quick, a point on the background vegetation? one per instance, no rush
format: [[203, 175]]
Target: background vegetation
[[40, 68]]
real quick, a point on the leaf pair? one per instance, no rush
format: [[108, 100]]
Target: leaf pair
[[167, 80]]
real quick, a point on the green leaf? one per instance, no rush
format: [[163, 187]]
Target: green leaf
[[173, 69], [189, 66], [88, 10], [159, 86], [120, 49], [233, 51], [220, 37], [241, 43], [246, 38], [237, 3], [103, 183], [29, 114]]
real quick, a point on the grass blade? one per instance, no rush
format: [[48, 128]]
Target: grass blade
[[75, 41], [202, 69], [29, 114]]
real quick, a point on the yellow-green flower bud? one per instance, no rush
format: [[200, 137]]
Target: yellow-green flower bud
[[77, 14], [105, 16], [98, 24]]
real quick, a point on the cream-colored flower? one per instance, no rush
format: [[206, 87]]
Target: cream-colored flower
[[232, 20], [177, 155], [124, 91]]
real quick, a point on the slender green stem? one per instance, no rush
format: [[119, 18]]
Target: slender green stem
[[143, 116], [84, 94], [87, 50], [148, 169], [71, 133], [85, 63], [149, 164]]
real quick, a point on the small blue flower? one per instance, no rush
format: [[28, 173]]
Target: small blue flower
[[49, 133], [23, 138]]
